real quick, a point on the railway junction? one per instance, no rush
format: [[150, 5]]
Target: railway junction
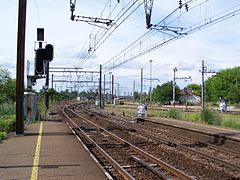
[[76, 137], [79, 141]]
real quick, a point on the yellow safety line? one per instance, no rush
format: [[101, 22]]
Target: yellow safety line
[[34, 175]]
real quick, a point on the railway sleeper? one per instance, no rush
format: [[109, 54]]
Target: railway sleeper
[[146, 165]]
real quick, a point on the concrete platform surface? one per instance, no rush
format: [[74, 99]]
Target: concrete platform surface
[[60, 156]]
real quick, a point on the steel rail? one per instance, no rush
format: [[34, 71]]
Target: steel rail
[[200, 132], [159, 162], [162, 175], [156, 137], [123, 172], [198, 141]]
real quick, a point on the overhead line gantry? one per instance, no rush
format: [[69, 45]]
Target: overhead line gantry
[[171, 29], [148, 5], [90, 20]]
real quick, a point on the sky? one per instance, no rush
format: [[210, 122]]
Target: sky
[[217, 45]]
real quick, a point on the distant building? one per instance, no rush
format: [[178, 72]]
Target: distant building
[[191, 98]]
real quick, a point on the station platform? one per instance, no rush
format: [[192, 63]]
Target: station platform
[[48, 150]]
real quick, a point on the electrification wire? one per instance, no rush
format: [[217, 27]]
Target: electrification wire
[[116, 19], [86, 42], [223, 15], [143, 37], [203, 24], [109, 34], [39, 19]]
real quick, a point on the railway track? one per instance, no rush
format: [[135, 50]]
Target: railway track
[[183, 108], [119, 155], [228, 159]]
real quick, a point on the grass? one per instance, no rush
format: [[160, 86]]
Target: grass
[[210, 117], [207, 117]]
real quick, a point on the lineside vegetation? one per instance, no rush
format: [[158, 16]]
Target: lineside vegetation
[[206, 117], [7, 103]]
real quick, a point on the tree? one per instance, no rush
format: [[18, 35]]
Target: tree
[[83, 94], [4, 75], [195, 89], [7, 87], [10, 88], [225, 84], [233, 94], [164, 93], [136, 96]]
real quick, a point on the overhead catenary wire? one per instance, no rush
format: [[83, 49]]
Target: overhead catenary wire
[[83, 50], [143, 37], [223, 15], [38, 14], [203, 23], [105, 32], [86, 42], [105, 38]]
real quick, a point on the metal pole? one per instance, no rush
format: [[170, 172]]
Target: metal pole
[[47, 85], [104, 89], [112, 89], [133, 91], [52, 81], [150, 89], [110, 75], [100, 87], [52, 90], [141, 85], [118, 91], [174, 84], [203, 69], [20, 66]]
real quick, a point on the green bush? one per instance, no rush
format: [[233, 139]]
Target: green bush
[[175, 113], [7, 109], [3, 135], [210, 117], [7, 125]]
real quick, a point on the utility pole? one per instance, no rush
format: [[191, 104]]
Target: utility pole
[[100, 87], [133, 90], [52, 81], [204, 71], [110, 75], [141, 86], [174, 84], [150, 89], [20, 66], [118, 89], [47, 85], [104, 90], [112, 89], [52, 89]]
